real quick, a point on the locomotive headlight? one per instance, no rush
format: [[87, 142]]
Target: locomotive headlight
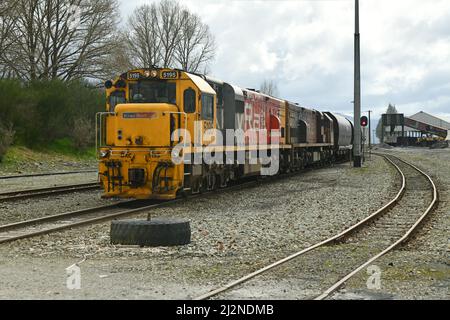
[[103, 153], [154, 73]]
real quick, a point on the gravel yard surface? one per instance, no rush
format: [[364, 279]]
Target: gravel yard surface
[[418, 270], [26, 209], [421, 268], [25, 183], [233, 233]]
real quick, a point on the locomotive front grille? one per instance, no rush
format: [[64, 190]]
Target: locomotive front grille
[[136, 177]]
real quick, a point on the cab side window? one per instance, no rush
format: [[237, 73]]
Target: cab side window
[[207, 107], [116, 98], [189, 100]]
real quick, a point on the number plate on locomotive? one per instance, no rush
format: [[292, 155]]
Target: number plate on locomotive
[[134, 75], [139, 115], [169, 75]]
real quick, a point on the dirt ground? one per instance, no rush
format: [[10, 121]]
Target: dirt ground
[[236, 232], [21, 160], [421, 268]]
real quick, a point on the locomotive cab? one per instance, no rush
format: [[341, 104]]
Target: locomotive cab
[[135, 136]]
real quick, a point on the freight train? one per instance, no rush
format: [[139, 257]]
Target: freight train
[[167, 132]]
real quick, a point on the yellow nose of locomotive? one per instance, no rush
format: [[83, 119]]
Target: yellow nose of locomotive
[[143, 125], [138, 163]]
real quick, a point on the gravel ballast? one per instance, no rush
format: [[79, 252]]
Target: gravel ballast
[[417, 270], [26, 183], [421, 268], [233, 233]]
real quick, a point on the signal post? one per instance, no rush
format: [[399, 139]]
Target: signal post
[[357, 94], [363, 123]]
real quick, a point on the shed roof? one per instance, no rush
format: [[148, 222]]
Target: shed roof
[[430, 119]]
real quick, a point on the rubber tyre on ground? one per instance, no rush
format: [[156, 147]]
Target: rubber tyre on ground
[[153, 233]]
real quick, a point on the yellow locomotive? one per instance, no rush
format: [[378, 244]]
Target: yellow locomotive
[[134, 135], [158, 123]]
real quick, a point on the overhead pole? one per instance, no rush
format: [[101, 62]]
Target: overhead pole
[[357, 94], [370, 140]]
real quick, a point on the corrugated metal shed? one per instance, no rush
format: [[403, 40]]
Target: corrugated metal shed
[[430, 119]]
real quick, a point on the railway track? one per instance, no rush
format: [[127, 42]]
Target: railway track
[[45, 174], [68, 220], [42, 192], [387, 228]]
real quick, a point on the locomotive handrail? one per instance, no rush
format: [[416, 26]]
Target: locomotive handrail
[[185, 123], [98, 130]]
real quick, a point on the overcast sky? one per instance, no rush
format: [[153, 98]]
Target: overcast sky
[[307, 48]]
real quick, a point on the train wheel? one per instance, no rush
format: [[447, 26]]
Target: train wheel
[[222, 180], [197, 186], [203, 183], [211, 181]]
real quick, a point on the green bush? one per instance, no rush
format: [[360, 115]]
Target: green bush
[[43, 112], [6, 139], [83, 133]]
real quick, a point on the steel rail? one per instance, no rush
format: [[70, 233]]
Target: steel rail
[[401, 240], [333, 239], [247, 183], [85, 222], [112, 216], [30, 193], [54, 217], [18, 176]]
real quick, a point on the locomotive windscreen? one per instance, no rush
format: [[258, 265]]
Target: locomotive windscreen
[[148, 91]]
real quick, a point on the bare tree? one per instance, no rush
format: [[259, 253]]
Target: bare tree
[[143, 38], [8, 32], [5, 29], [197, 46], [64, 39], [171, 23], [121, 59], [168, 35], [269, 87]]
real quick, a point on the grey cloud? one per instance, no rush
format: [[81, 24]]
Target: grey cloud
[[307, 47]]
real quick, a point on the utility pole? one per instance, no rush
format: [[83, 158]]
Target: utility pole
[[370, 140], [357, 95]]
